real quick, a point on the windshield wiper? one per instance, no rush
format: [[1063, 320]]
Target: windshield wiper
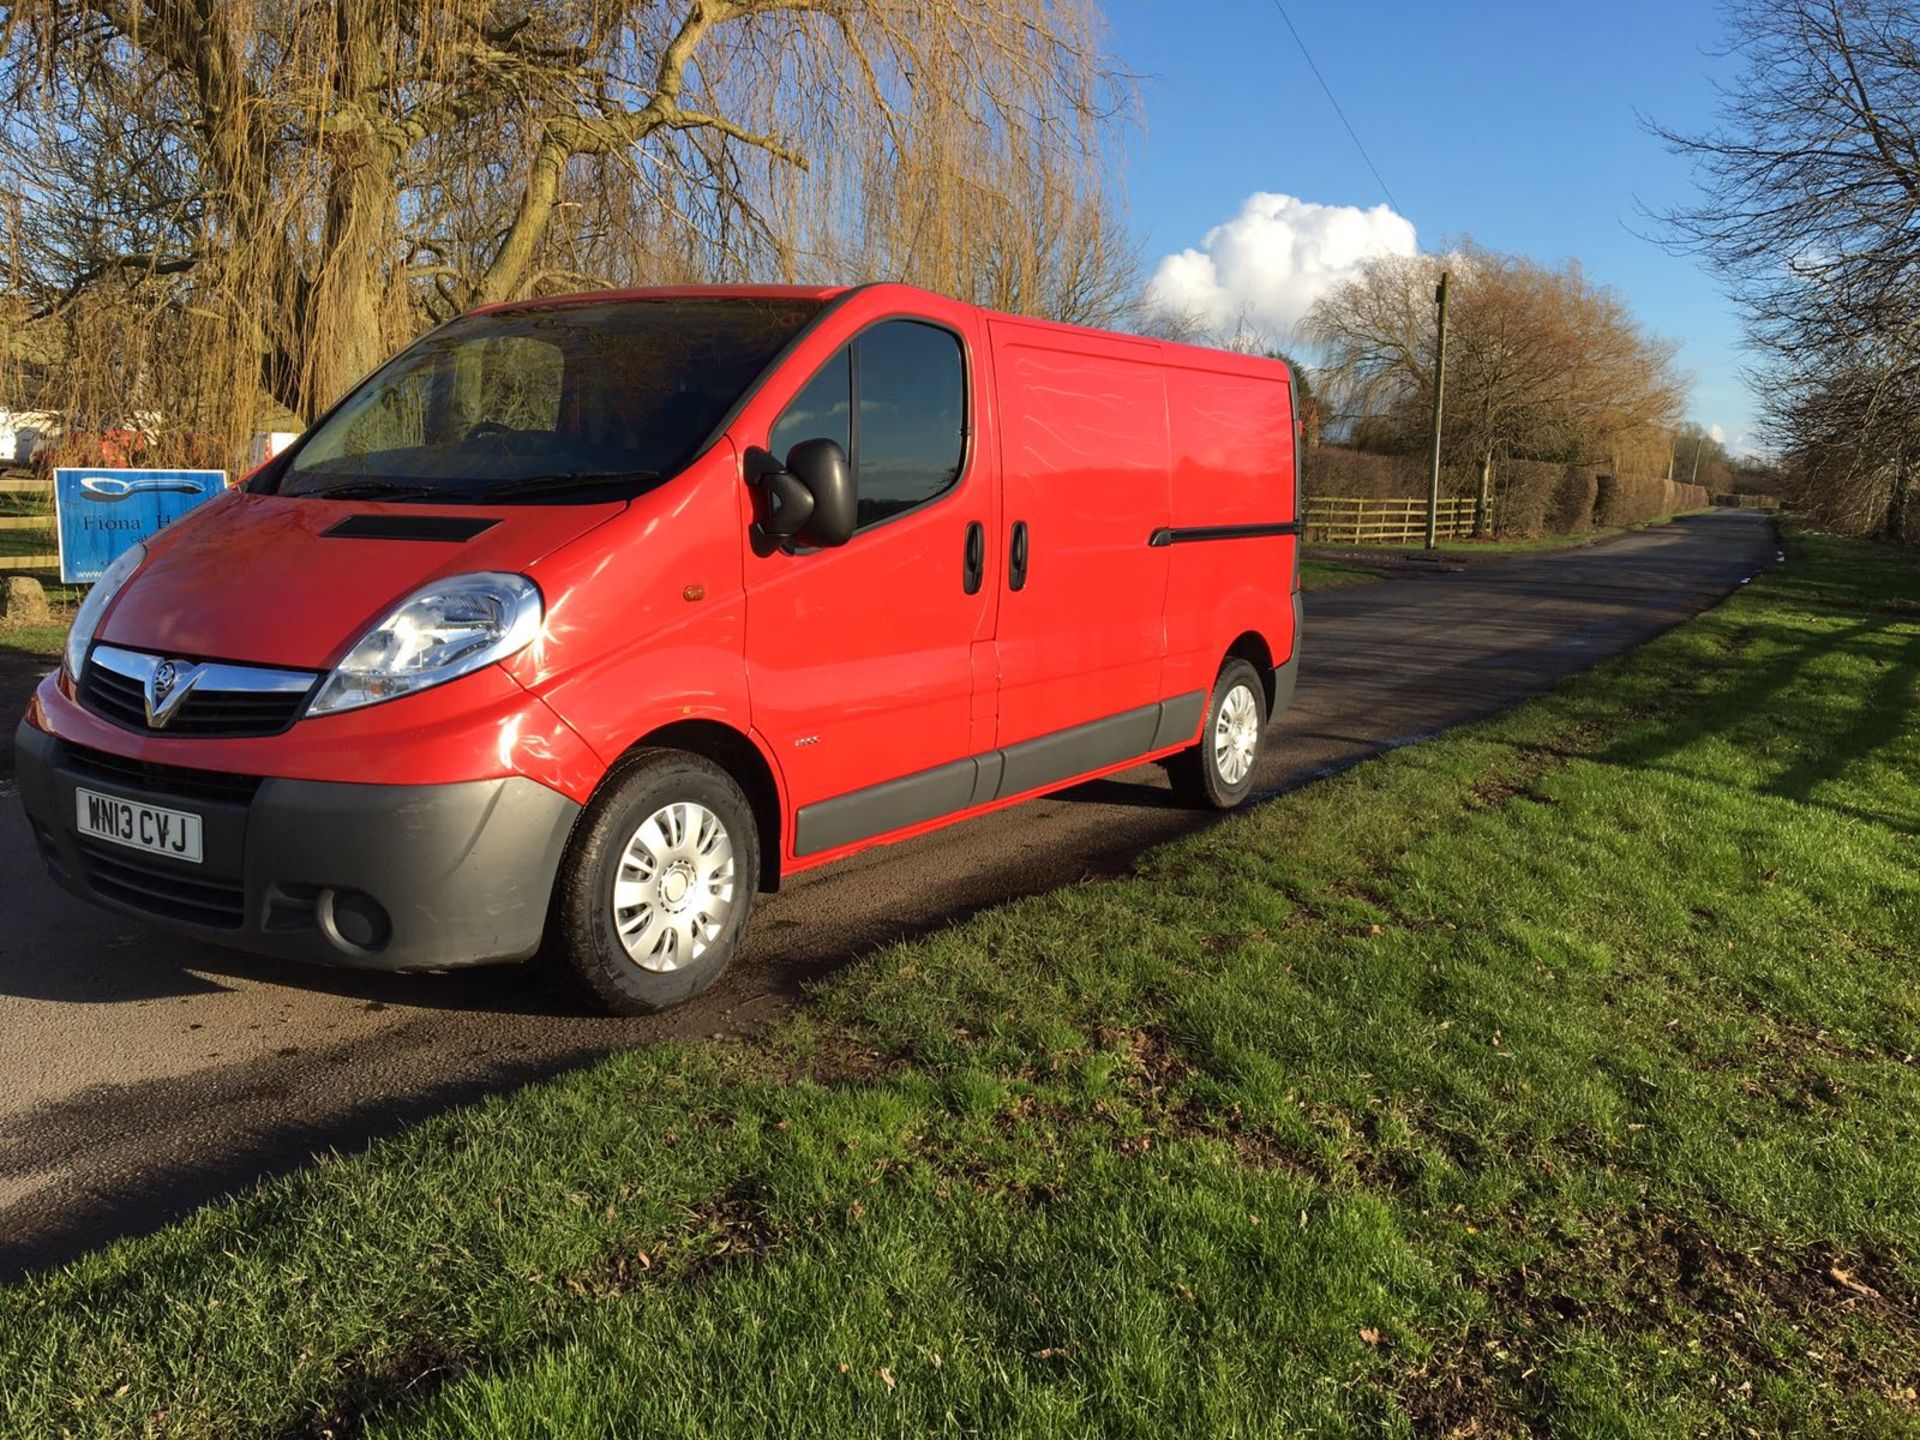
[[377, 490], [539, 486]]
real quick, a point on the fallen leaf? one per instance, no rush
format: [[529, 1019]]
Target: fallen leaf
[[1844, 1279], [887, 1375], [1370, 1336]]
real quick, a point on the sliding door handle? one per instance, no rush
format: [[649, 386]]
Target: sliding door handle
[[1017, 557], [973, 564]]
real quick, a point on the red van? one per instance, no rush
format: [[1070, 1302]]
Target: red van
[[583, 620]]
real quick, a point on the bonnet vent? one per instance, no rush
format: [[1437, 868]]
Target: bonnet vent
[[456, 529]]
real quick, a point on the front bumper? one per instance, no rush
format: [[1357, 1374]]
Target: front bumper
[[389, 877]]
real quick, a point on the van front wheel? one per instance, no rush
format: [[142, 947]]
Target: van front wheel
[[658, 885], [1218, 773]]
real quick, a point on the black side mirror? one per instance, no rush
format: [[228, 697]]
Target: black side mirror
[[822, 466], [811, 500]]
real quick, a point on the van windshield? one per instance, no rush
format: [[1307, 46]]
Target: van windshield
[[576, 402]]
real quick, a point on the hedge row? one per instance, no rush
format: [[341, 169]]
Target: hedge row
[[1531, 497]]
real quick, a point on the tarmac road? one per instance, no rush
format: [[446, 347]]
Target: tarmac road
[[141, 1075]]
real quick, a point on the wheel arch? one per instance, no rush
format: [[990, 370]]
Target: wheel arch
[[1251, 646], [735, 753]]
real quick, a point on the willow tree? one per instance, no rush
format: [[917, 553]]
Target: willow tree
[[308, 184]]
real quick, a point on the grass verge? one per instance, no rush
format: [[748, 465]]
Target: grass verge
[[1337, 574], [1555, 1077], [34, 642], [1537, 544]]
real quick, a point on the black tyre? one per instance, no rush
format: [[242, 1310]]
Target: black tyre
[[657, 885], [1218, 773]]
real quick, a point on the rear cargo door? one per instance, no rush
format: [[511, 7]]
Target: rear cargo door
[[1081, 634]]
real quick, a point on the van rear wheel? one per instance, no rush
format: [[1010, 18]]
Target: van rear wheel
[[1218, 773], [658, 884]]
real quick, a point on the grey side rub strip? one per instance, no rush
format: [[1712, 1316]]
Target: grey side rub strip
[[980, 779]]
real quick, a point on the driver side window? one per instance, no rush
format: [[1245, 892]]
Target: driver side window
[[822, 411], [895, 401]]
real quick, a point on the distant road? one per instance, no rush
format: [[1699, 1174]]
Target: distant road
[[141, 1075]]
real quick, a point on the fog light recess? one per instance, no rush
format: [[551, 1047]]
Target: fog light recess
[[354, 920]]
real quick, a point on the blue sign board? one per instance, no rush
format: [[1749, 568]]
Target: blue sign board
[[103, 513]]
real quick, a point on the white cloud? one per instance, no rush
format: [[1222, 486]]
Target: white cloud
[[1271, 261], [1718, 433]]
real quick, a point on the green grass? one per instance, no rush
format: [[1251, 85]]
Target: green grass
[[1555, 1077], [1532, 545], [1337, 574], [40, 642]]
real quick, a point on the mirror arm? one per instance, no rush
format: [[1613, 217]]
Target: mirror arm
[[788, 502]]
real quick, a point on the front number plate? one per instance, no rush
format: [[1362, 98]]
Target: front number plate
[[173, 833]]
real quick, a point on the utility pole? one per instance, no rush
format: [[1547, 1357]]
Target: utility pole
[[1439, 401], [1698, 446]]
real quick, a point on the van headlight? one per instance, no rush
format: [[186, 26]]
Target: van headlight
[[86, 619], [438, 633]]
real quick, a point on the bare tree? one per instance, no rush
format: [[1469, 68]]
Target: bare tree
[[311, 184], [1810, 203], [1376, 334], [1847, 425], [1810, 211], [976, 212], [1541, 362], [1694, 457]]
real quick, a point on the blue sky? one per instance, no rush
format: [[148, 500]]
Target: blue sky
[[1514, 123]]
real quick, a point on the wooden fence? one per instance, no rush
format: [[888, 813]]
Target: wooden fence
[[1355, 520], [35, 557]]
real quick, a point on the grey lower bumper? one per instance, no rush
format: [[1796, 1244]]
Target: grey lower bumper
[[391, 877]]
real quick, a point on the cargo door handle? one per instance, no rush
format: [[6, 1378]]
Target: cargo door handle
[[1017, 557], [973, 567]]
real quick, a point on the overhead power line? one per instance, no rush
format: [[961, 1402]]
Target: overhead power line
[[1327, 90]]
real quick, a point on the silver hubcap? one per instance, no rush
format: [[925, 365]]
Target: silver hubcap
[[675, 886], [1236, 735]]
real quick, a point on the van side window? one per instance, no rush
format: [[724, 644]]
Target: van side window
[[822, 411], [911, 434]]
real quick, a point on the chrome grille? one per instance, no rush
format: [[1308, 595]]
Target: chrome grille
[[218, 700]]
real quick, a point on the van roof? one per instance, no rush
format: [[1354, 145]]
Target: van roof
[[671, 292], [1174, 352]]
